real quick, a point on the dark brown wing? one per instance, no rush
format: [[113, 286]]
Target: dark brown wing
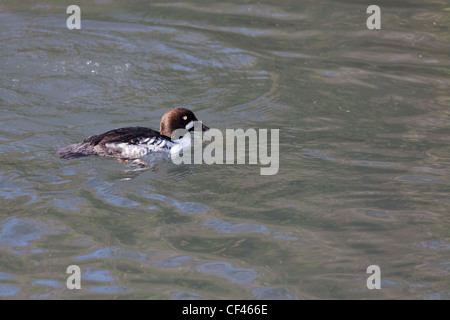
[[130, 135]]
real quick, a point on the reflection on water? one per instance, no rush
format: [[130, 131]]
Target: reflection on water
[[21, 232], [7, 290], [273, 294], [114, 253], [174, 262], [228, 271], [97, 275], [184, 295], [225, 227], [109, 289], [364, 150], [48, 283]]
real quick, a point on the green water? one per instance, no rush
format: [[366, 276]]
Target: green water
[[364, 150]]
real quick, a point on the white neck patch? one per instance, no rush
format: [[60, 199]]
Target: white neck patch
[[190, 125]]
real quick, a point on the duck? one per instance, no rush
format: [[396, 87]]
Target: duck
[[133, 143]]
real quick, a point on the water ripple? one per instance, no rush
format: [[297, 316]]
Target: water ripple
[[175, 262], [11, 186], [97, 275], [186, 295], [316, 154], [417, 179], [228, 271], [6, 276], [21, 232], [229, 228], [433, 296], [269, 293], [48, 283], [434, 245], [110, 289], [185, 207], [7, 290], [114, 253]]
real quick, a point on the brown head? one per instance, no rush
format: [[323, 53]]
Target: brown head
[[178, 118]]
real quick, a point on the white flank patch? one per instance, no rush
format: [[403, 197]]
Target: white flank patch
[[138, 151], [180, 144]]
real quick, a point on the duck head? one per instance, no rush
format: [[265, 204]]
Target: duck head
[[179, 118]]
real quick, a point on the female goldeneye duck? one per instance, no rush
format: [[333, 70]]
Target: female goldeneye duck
[[134, 142]]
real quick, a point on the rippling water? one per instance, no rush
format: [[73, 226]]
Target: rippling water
[[364, 150]]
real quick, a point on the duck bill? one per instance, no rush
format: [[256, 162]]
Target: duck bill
[[195, 127]]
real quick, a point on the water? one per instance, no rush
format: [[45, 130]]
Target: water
[[364, 150]]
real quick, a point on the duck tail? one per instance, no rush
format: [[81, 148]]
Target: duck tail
[[77, 150]]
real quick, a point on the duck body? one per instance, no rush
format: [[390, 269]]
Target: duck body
[[134, 142]]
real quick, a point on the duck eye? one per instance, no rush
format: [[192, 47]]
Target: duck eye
[[185, 118]]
